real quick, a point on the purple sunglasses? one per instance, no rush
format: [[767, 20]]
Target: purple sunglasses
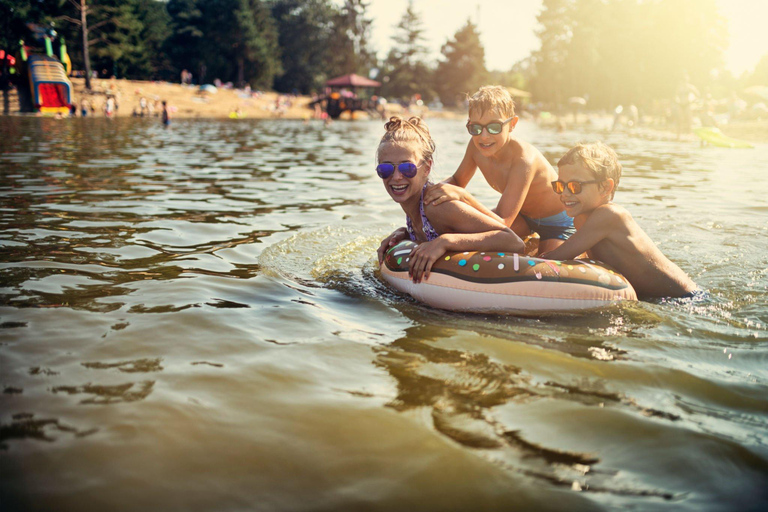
[[407, 169]]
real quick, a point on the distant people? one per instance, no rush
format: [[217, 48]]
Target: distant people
[[512, 167], [109, 107], [630, 115], [83, 107], [143, 107], [685, 96], [588, 177], [166, 116]]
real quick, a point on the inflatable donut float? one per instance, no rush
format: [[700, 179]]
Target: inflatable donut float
[[497, 282]]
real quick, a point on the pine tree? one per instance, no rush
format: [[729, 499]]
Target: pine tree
[[463, 70]]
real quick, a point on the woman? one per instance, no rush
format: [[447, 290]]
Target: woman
[[404, 161]]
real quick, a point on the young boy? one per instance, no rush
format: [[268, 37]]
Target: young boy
[[589, 176], [510, 166]]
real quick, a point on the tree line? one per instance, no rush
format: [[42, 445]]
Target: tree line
[[607, 51]]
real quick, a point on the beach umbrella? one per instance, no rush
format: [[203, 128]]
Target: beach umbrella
[[210, 88]]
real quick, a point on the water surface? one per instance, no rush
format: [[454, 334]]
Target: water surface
[[191, 319]]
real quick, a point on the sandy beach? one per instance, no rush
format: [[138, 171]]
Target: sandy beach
[[187, 101]]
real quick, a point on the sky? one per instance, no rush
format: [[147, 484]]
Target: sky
[[507, 27]]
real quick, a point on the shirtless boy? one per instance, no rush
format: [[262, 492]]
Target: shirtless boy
[[589, 176], [512, 167]]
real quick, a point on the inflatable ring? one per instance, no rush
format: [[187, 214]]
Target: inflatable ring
[[497, 282]]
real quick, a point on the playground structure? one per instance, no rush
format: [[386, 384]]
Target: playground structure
[[343, 96], [51, 90]]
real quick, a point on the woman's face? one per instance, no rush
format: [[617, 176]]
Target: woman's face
[[401, 188]]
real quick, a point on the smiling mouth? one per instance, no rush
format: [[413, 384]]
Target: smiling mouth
[[398, 189], [570, 204], [486, 146]]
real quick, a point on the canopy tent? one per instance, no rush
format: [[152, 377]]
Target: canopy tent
[[352, 80]]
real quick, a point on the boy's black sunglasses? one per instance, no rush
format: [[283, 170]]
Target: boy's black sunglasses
[[573, 186], [493, 128]]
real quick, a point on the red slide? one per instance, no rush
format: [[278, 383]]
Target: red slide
[[52, 95]]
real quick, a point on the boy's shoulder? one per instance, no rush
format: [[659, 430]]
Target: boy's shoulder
[[608, 213]]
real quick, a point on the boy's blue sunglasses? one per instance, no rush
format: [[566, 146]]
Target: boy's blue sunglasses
[[407, 169]]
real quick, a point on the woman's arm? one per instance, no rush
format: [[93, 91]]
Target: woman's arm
[[452, 189], [392, 240], [463, 228]]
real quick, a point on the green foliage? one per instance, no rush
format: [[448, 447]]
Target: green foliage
[[320, 41], [348, 47], [404, 71], [15, 14], [625, 51], [463, 70]]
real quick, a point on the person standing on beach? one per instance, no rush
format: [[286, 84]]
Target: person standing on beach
[[109, 107]]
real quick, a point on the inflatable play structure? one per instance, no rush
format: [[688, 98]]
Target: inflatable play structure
[[712, 135], [50, 88], [495, 282]]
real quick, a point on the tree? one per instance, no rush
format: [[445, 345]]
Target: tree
[[405, 72], [184, 46], [549, 61], [306, 29], [240, 41], [463, 70], [350, 52]]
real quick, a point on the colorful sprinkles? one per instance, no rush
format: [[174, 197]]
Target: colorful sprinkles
[[534, 267]]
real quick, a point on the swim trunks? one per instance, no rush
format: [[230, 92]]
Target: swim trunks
[[558, 226], [426, 227]]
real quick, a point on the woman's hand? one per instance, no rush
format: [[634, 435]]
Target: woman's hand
[[443, 192], [392, 240], [423, 257]]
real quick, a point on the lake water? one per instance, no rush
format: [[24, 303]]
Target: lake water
[[191, 319]]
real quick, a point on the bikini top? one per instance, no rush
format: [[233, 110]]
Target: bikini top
[[426, 227]]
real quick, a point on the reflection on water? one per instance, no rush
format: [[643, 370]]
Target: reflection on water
[[194, 316]]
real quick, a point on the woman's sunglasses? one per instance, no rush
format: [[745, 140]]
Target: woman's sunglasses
[[407, 169], [493, 128], [573, 186]]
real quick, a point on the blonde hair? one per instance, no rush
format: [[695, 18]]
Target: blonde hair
[[597, 157], [492, 98], [402, 132]]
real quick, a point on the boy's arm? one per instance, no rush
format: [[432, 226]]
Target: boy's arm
[[514, 193], [598, 226], [453, 188], [455, 184]]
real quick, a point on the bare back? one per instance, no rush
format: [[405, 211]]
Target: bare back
[[628, 249]]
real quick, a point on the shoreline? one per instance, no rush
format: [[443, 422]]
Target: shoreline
[[188, 102]]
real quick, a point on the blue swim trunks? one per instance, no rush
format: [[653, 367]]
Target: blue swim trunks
[[558, 226]]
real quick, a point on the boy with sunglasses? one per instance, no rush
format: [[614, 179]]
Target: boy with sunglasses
[[589, 175], [511, 166]]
